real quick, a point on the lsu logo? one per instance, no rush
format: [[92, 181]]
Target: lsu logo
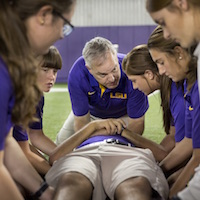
[[118, 95]]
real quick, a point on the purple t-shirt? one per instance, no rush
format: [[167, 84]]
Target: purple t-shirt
[[177, 108], [192, 117], [6, 103], [21, 135], [88, 95]]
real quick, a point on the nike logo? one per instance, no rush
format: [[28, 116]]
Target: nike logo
[[91, 93], [190, 108]]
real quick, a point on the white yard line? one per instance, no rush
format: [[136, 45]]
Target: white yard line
[[59, 90]]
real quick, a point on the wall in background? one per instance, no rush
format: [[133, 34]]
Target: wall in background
[[125, 23]]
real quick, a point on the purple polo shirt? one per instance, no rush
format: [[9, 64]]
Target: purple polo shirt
[[21, 135], [6, 103], [177, 108], [87, 95], [192, 118]]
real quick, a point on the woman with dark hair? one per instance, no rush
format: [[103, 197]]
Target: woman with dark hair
[[49, 64], [180, 19], [143, 72], [190, 145], [28, 29]]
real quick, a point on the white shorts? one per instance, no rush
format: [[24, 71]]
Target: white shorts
[[108, 165]]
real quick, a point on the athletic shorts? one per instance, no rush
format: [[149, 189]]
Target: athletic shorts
[[108, 165]]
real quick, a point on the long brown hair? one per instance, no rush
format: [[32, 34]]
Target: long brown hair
[[16, 52], [155, 5], [157, 41], [136, 62], [52, 59]]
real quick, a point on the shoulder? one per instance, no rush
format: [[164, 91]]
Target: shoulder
[[78, 69], [120, 57], [79, 64], [5, 80]]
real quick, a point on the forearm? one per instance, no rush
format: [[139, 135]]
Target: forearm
[[20, 168], [81, 121], [40, 141], [40, 164], [136, 125], [68, 145], [45, 145], [174, 159], [8, 189], [140, 141], [184, 177]]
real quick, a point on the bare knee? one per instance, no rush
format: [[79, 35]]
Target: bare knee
[[73, 184], [137, 187]]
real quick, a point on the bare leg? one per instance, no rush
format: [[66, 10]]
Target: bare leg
[[73, 186], [137, 188]]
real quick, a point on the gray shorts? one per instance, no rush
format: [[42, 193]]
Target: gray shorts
[[108, 165]]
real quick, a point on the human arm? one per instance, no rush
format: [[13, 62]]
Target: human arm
[[22, 171], [108, 126], [160, 151], [81, 121], [175, 158], [8, 189], [41, 141], [186, 174], [136, 125], [137, 105], [39, 163]]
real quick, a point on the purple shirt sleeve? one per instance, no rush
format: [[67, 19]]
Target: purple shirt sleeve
[[20, 134], [177, 108], [193, 116], [39, 114], [6, 103]]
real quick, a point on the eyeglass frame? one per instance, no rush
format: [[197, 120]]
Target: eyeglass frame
[[67, 23]]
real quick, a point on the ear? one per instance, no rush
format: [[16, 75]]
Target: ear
[[182, 4], [44, 15], [149, 74], [179, 52]]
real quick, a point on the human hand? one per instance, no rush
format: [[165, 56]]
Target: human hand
[[108, 126]]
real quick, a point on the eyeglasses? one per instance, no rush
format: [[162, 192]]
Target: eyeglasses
[[68, 27]]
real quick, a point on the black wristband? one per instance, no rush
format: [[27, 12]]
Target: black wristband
[[175, 198], [39, 192]]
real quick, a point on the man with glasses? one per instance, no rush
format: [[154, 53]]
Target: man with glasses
[[99, 89]]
